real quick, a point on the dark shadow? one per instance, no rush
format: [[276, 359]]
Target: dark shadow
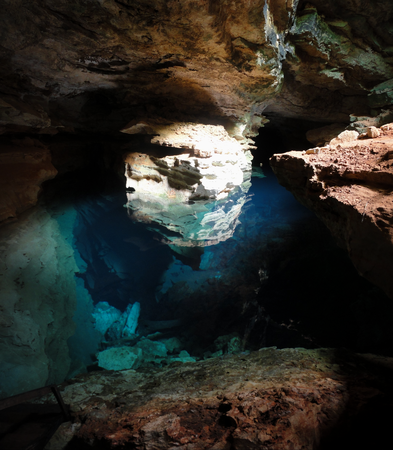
[[366, 419], [144, 93]]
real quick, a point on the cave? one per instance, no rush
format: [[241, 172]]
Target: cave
[[196, 221]]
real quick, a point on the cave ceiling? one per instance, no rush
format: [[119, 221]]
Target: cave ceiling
[[96, 65]]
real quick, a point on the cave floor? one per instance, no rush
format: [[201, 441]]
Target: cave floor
[[271, 398]]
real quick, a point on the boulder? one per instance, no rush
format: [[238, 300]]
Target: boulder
[[120, 358], [373, 132], [345, 136], [349, 188], [321, 136], [152, 350], [105, 315], [126, 324]]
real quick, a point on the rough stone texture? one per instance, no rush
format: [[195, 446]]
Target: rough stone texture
[[105, 66], [104, 316], [337, 52], [215, 164], [119, 358], [323, 135], [37, 302], [276, 399], [24, 165], [349, 188], [97, 65], [345, 136]]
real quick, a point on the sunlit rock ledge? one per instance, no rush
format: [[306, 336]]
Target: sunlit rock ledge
[[196, 194], [349, 186], [275, 399], [212, 165]]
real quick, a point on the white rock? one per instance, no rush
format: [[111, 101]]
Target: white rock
[[132, 319], [345, 136], [387, 127], [373, 132], [105, 315], [126, 324]]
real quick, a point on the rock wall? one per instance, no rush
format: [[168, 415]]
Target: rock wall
[[37, 303], [348, 185], [24, 165], [95, 66]]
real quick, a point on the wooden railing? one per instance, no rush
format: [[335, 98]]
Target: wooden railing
[[30, 395]]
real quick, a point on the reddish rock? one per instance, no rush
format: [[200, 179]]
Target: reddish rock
[[24, 165], [273, 399], [349, 188]]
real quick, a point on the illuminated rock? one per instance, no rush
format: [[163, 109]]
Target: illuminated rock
[[215, 164], [126, 324], [105, 315], [189, 224]]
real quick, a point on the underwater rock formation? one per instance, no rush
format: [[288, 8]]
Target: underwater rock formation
[[349, 187], [104, 316], [38, 301], [189, 224]]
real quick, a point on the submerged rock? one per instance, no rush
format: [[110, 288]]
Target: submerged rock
[[105, 315], [152, 350], [120, 358], [37, 303], [126, 325]]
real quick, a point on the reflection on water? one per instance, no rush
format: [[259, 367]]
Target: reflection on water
[[256, 269], [197, 264]]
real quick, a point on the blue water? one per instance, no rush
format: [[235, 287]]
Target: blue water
[[278, 280]]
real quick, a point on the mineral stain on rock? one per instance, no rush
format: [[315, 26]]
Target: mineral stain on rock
[[273, 399]]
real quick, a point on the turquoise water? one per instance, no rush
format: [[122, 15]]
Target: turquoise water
[[274, 277]]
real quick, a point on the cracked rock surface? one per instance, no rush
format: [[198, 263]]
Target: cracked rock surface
[[349, 188], [273, 399]]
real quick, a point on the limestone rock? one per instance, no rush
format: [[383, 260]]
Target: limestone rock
[[172, 344], [373, 132], [164, 198], [120, 358], [349, 188], [152, 350], [387, 127], [345, 136], [322, 135], [289, 398], [183, 357], [215, 165], [104, 316], [24, 165], [37, 303], [186, 60], [126, 324], [381, 95]]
